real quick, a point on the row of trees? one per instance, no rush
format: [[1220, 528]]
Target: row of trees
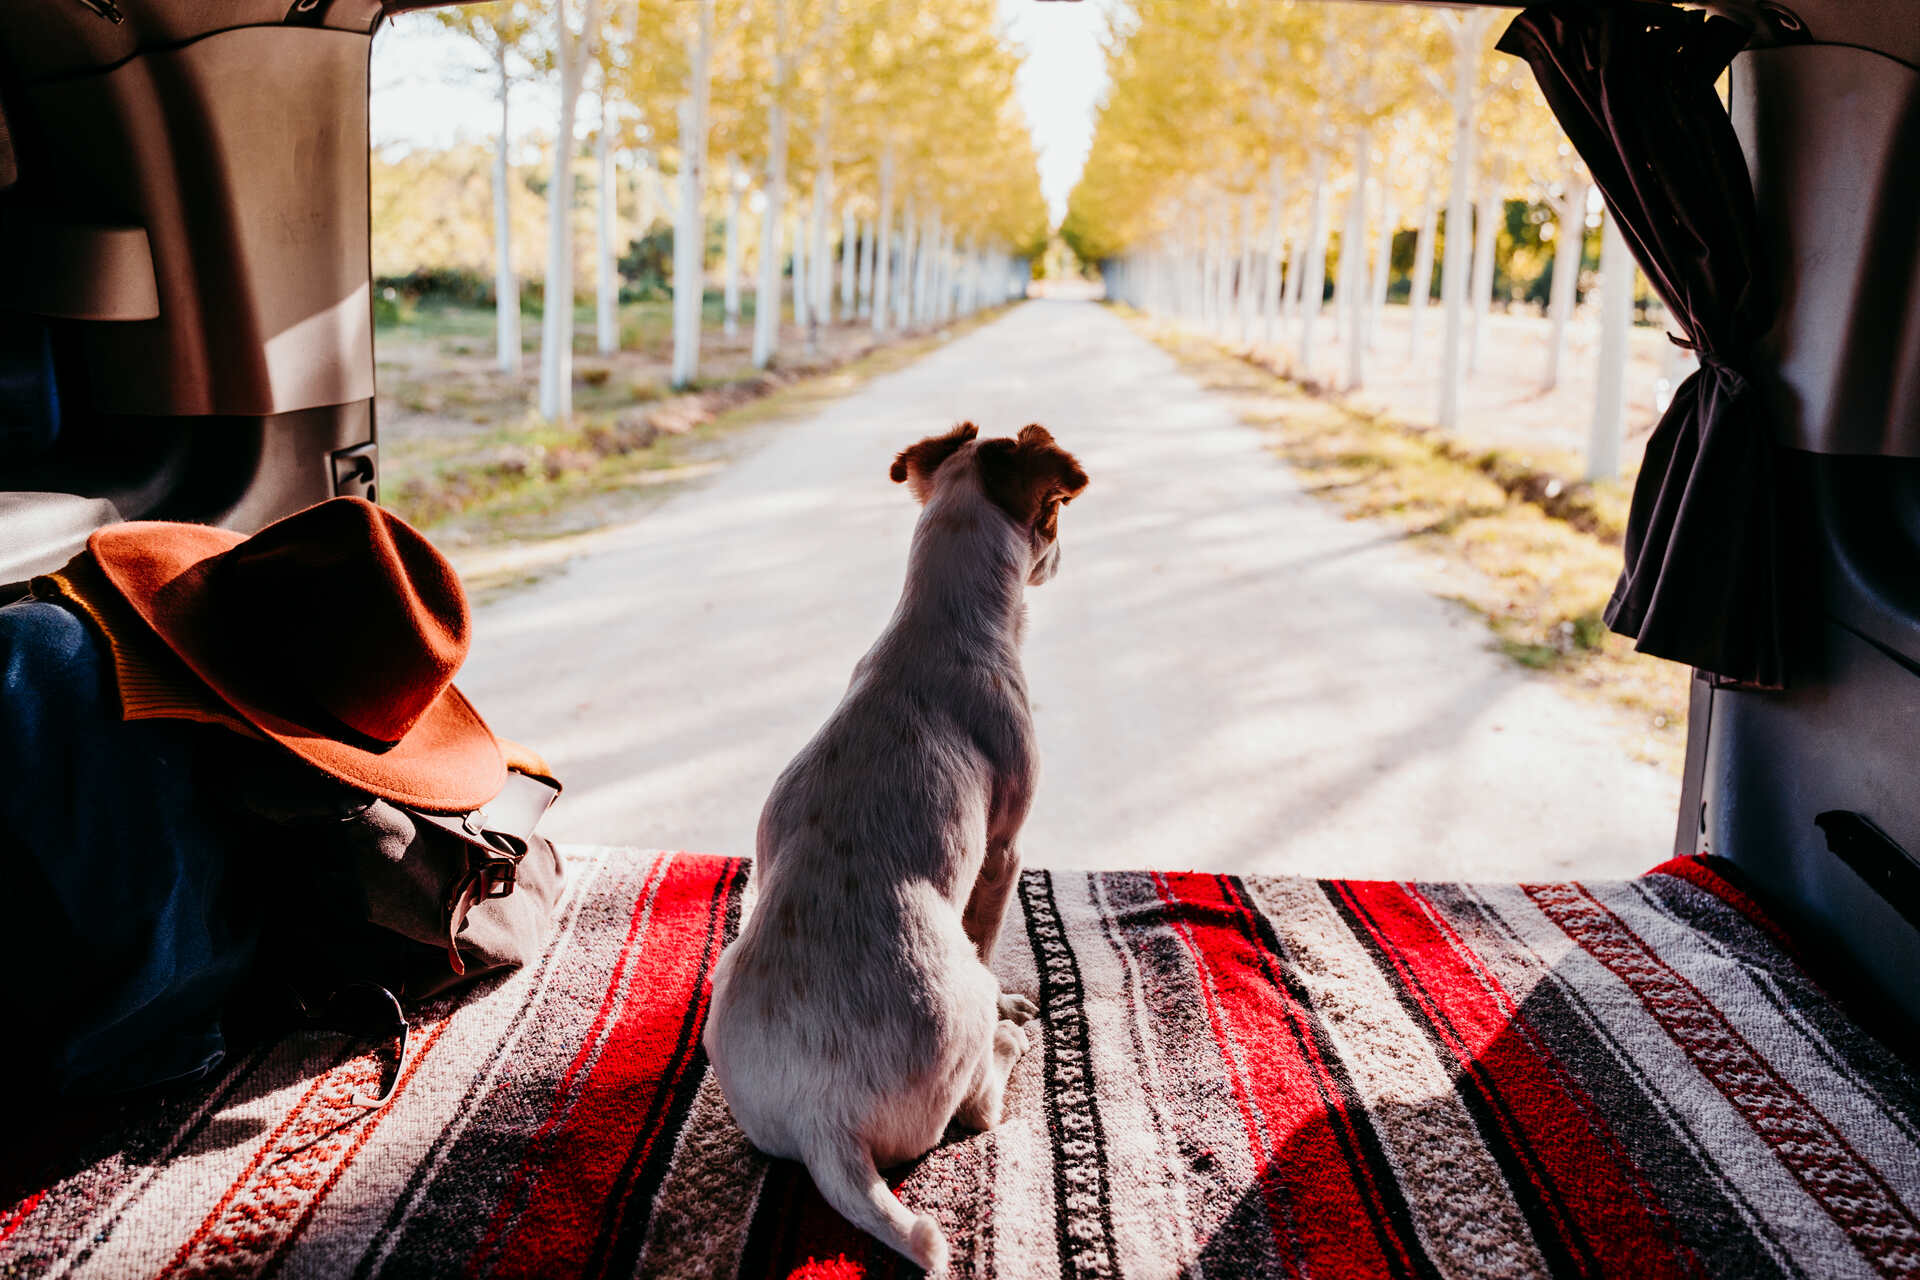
[[880, 140], [1235, 135]]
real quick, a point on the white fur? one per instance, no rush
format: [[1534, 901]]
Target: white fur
[[855, 1015]]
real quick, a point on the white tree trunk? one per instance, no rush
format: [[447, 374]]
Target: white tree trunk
[[506, 286], [930, 239], [1270, 297], [820, 256], [606, 280], [909, 253], [802, 294], [1569, 247], [1467, 30], [690, 232], [915, 307], [766, 298], [1489, 213], [1353, 267], [1223, 269], [1616, 327], [571, 51], [1313, 281], [883, 246], [849, 262], [868, 254], [1420, 285], [1248, 296], [730, 285], [1382, 263], [868, 263]]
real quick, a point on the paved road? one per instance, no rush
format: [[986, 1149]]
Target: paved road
[[1227, 675]]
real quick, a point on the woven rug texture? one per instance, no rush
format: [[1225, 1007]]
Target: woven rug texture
[[1234, 1077]]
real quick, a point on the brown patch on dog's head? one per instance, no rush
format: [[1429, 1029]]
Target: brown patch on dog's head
[[1029, 478], [917, 462]]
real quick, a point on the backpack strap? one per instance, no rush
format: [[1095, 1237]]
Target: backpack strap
[[497, 837]]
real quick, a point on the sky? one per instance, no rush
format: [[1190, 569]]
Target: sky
[[429, 88]]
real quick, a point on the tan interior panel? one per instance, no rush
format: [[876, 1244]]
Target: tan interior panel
[[254, 205]]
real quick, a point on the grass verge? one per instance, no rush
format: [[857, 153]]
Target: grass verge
[[1534, 555], [530, 479]]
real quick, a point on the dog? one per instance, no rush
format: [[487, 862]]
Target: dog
[[855, 1016]]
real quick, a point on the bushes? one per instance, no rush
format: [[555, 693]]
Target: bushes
[[647, 265], [437, 286]]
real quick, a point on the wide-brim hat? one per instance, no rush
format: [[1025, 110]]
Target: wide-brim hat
[[334, 632]]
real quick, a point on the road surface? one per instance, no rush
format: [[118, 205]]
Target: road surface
[[1227, 675]]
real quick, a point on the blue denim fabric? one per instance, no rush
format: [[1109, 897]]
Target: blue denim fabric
[[120, 933]]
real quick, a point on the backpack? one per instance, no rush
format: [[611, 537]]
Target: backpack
[[373, 906]]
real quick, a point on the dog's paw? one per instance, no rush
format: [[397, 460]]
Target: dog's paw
[[1010, 1039], [1017, 1008]]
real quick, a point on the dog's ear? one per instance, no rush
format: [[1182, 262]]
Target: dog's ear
[[1029, 477], [917, 462]]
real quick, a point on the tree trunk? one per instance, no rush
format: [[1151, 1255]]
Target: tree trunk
[[1270, 298], [883, 246], [1313, 284], [929, 260], [849, 262], [1487, 218], [820, 252], [730, 286], [1466, 31], [868, 250], [1223, 268], [506, 286], [766, 298], [1382, 264], [690, 232], [909, 252], [571, 52], [1616, 327], [802, 293], [606, 280], [1353, 267], [1247, 296], [1569, 247], [1420, 285]]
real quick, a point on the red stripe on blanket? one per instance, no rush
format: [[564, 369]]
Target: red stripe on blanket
[[10, 1220], [605, 1108], [1591, 1210], [1824, 1163], [1325, 1207]]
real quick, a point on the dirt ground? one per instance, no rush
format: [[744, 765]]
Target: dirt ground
[[1502, 403]]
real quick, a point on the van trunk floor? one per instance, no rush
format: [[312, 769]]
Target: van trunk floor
[[1232, 1077]]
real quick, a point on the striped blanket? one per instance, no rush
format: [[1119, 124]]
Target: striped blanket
[[1235, 1077]]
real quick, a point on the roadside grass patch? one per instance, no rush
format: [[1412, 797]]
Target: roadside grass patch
[[519, 477], [1533, 555]]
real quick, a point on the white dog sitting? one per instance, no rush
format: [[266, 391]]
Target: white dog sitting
[[855, 1015]]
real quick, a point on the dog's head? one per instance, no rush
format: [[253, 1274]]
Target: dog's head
[[1029, 478]]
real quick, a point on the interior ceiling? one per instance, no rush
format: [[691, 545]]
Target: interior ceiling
[[1890, 27], [49, 40]]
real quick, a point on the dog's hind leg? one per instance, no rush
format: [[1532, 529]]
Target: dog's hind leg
[[981, 1108], [992, 891]]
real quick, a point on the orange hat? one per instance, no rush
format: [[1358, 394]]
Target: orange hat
[[335, 632]]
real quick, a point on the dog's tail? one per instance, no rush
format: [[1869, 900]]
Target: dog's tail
[[842, 1167]]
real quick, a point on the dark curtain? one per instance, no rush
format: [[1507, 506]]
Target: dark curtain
[[1633, 86]]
